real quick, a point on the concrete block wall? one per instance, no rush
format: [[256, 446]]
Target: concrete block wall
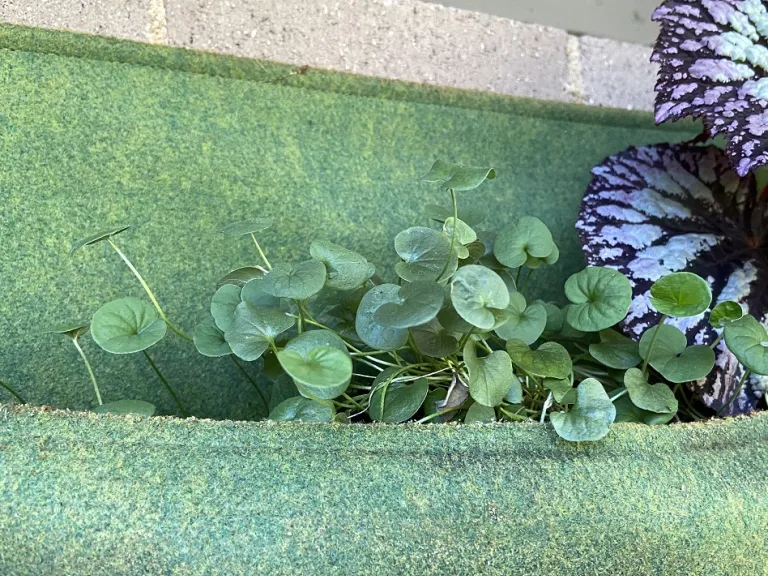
[[399, 39]]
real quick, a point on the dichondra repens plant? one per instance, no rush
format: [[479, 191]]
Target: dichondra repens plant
[[457, 336]]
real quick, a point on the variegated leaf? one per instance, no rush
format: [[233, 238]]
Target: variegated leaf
[[659, 209], [714, 64]]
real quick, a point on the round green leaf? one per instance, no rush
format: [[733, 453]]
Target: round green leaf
[[283, 388], [252, 226], [136, 407], [672, 359], [657, 398], [322, 373], [681, 295], [457, 177], [491, 377], [479, 414], [591, 416], [126, 326], [425, 252], [209, 340], [223, 305], [550, 360], [73, 330], [748, 341], [393, 401], [418, 303], [553, 256], [307, 341], [561, 389], [601, 298], [295, 281], [475, 290], [626, 411], [433, 340], [525, 323], [616, 350], [300, 409], [96, 238], [725, 312], [347, 270], [254, 329], [464, 234], [368, 329], [253, 293], [451, 321], [555, 318], [529, 237], [241, 276]]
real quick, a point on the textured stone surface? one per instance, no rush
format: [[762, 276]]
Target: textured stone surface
[[118, 18], [617, 74], [399, 39]]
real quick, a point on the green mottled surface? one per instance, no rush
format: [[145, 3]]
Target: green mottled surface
[[88, 495], [97, 132]]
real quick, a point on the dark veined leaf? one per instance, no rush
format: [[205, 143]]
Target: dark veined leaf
[[457, 177], [714, 64], [652, 211], [681, 295]]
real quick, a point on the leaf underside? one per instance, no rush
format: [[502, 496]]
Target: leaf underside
[[655, 210]]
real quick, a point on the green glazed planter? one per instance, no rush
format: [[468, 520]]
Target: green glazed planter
[[99, 132]]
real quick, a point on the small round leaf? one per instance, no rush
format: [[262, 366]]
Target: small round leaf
[[126, 326], [254, 329], [419, 302], [347, 270], [591, 416], [479, 414], [457, 177], [616, 350], [671, 356], [529, 237], [550, 360], [96, 238], [475, 292], [491, 377], [425, 252], [295, 281], [243, 227], [725, 312], [464, 234], [209, 340], [300, 409], [223, 305], [526, 322], [394, 401], [681, 295], [241, 276], [322, 373], [747, 339], [600, 298], [433, 340], [369, 329], [73, 330], [253, 293], [657, 398], [626, 411]]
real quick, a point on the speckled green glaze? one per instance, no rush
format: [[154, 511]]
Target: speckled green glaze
[[97, 132], [83, 494]]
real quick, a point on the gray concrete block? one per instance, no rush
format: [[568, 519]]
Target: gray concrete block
[[617, 74], [118, 18], [400, 39]]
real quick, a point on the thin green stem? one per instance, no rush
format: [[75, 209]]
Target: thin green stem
[[453, 234], [619, 395], [656, 332], [12, 392], [300, 317], [261, 252], [466, 337], [517, 276], [167, 386], [735, 392], [90, 371], [512, 416], [524, 285], [250, 379], [717, 340], [355, 402], [147, 289], [438, 414]]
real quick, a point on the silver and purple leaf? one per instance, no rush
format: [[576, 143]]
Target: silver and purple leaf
[[655, 210], [713, 57]]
